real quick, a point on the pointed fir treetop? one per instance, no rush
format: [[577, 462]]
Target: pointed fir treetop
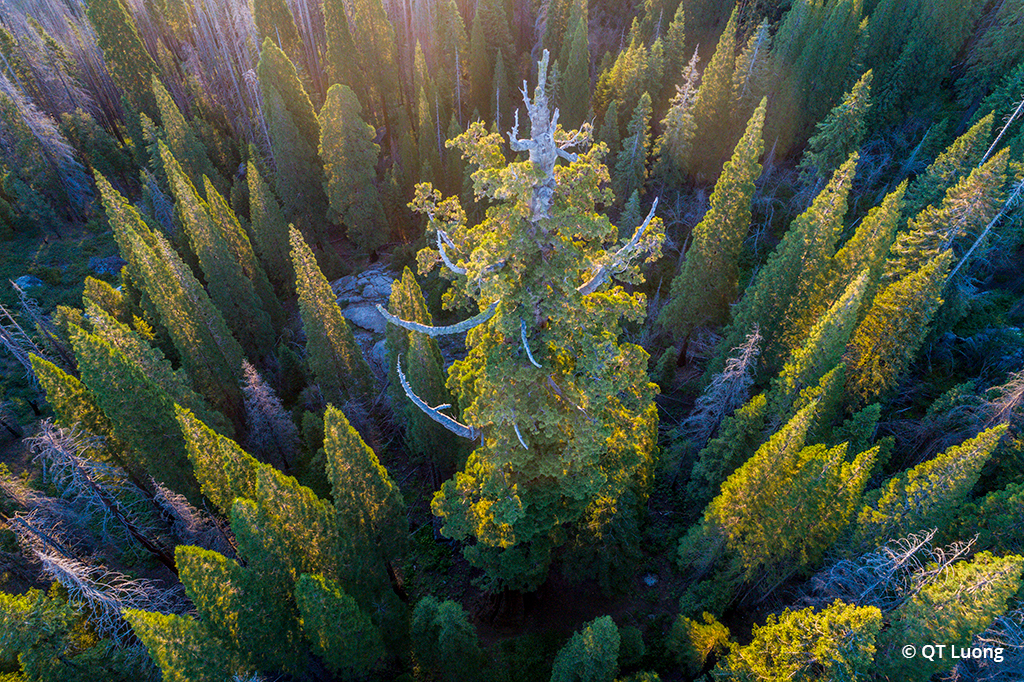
[[278, 72], [839, 134]]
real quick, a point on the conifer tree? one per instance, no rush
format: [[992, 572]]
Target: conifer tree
[[959, 159], [349, 157], [445, 641], [376, 58], [675, 46], [674, 146], [513, 399], [591, 655], [959, 604], [631, 163], [187, 148], [839, 134], [609, 132], [74, 403], [224, 471], [230, 289], [929, 495], [965, 210], [628, 78], [422, 355], [792, 276], [739, 436], [183, 648], [274, 21], [869, 245], [341, 50], [141, 414], [269, 229], [294, 139], [888, 337], [340, 632], [557, 27], [713, 105], [108, 298], [272, 435], [835, 643], [334, 356], [706, 284], [752, 74], [574, 83], [130, 65]]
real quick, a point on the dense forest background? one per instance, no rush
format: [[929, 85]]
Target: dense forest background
[[332, 351]]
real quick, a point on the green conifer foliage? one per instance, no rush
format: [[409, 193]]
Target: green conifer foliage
[[130, 65], [108, 298], [269, 230], [674, 146], [349, 157], [207, 349], [965, 210], [274, 22], [836, 643], [294, 139], [888, 337], [839, 134], [995, 52], [790, 282], [609, 132], [340, 632], [712, 109], [187, 148], [706, 284], [958, 160], [332, 352], [224, 471], [869, 245], [368, 504], [151, 362], [445, 641], [241, 608], [929, 495], [675, 46], [183, 648], [341, 50], [960, 603], [376, 58], [752, 75], [823, 349], [231, 290], [141, 414], [74, 403], [574, 84], [739, 436], [631, 163], [425, 369], [591, 655], [552, 443]]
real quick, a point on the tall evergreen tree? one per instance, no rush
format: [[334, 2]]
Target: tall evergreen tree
[[839, 134], [592, 655], [340, 632], [274, 21], [331, 349], [187, 148], [224, 471], [706, 284], [349, 157], [574, 84], [869, 245], [674, 146], [713, 106], [130, 65], [509, 399], [887, 338], [269, 229], [675, 46], [631, 162], [445, 641], [739, 436], [183, 648], [929, 495], [959, 159], [294, 139], [74, 404], [752, 74], [376, 58], [231, 290], [609, 132], [341, 50]]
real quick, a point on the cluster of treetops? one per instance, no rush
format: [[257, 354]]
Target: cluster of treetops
[[198, 426]]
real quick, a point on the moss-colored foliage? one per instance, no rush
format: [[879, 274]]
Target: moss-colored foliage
[[72, 401], [223, 469], [631, 163], [183, 648], [339, 631], [706, 284], [959, 159], [609, 131], [230, 288], [341, 50], [692, 642], [331, 350], [208, 351], [274, 22], [141, 414], [591, 655], [869, 245], [294, 139], [929, 495], [739, 436], [564, 448], [836, 643], [268, 229], [445, 641], [349, 156], [624, 83], [186, 147], [839, 134], [127, 60], [108, 298], [960, 603], [712, 109], [886, 340], [46, 638]]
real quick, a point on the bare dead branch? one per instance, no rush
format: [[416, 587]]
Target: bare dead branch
[[614, 263], [434, 413], [463, 326]]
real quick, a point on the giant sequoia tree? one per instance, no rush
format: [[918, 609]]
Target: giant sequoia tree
[[563, 412]]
